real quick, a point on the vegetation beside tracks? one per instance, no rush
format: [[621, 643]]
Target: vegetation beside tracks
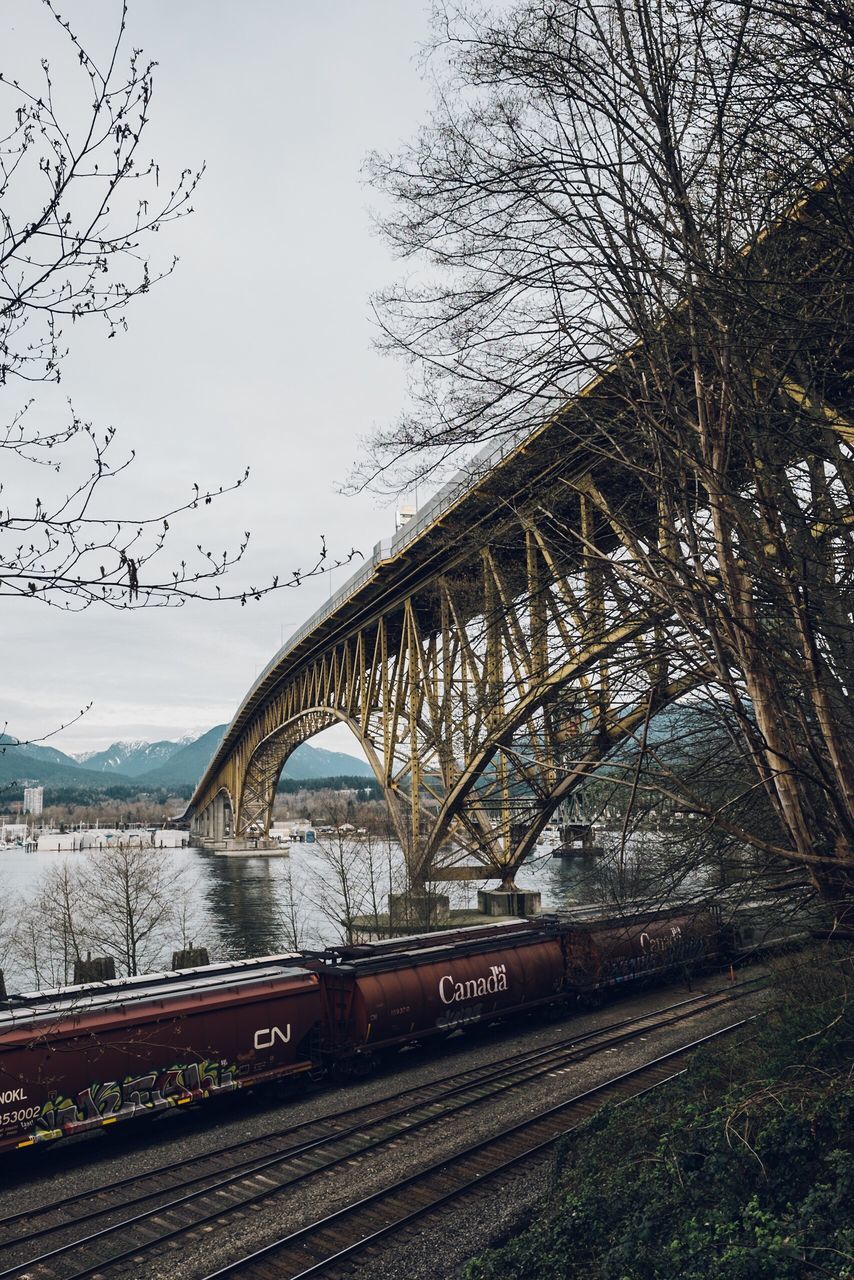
[[743, 1168]]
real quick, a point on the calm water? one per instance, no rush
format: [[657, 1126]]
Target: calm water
[[247, 906]]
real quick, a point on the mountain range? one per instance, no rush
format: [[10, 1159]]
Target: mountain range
[[158, 764], [130, 758]]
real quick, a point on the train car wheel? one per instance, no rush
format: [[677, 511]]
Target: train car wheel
[[364, 1064], [357, 1067]]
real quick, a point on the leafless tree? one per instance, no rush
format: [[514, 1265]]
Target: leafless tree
[[8, 921], [292, 913], [128, 901], [50, 931], [374, 870], [187, 916], [339, 882], [652, 203], [130, 893], [80, 205], [34, 953], [654, 806]]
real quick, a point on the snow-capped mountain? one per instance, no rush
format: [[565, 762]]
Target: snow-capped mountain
[[158, 764], [131, 759], [189, 763]]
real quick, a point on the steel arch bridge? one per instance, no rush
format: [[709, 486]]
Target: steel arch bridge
[[487, 658], [506, 642]]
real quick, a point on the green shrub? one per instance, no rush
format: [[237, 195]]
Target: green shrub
[[742, 1170]]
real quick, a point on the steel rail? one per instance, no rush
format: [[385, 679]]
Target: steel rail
[[555, 1055], [411, 1092], [243, 1266], [517, 1073]]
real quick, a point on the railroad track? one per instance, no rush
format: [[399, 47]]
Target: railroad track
[[98, 1230], [329, 1244]]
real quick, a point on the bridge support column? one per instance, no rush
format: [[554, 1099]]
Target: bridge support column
[[418, 909], [221, 818], [508, 902]]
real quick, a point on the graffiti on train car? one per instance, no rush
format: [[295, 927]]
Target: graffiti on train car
[[103, 1100], [663, 943], [668, 952]]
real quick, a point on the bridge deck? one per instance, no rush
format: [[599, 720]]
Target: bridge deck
[[398, 564]]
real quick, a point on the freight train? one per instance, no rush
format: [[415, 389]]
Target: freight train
[[79, 1058]]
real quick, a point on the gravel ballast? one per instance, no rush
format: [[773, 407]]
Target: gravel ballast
[[432, 1249]]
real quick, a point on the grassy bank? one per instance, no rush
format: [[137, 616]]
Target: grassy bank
[[743, 1170]]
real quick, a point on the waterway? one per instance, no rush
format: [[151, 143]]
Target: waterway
[[248, 906]]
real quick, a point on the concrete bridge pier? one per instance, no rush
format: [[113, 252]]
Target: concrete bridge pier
[[223, 817], [214, 825], [509, 901]]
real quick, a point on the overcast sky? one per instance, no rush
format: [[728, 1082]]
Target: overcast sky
[[257, 351]]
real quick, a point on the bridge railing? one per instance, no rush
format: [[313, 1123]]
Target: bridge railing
[[460, 483], [484, 461]]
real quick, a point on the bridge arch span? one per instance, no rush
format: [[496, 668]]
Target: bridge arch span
[[496, 650], [265, 765], [486, 665]]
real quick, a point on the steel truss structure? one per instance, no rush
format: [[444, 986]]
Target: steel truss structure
[[487, 668], [509, 640]]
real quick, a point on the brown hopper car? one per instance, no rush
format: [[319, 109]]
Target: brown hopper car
[[385, 999], [82, 1057], [644, 946], [79, 1058]]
